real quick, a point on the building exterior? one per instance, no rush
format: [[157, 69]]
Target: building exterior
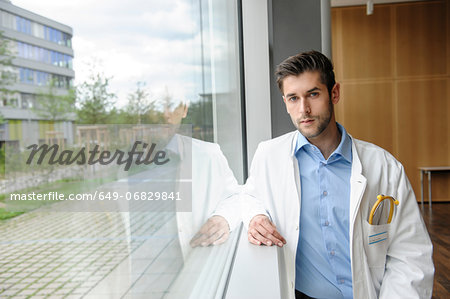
[[42, 50]]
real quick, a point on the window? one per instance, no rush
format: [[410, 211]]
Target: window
[[29, 27], [8, 20], [147, 254], [39, 78], [27, 100], [28, 51]]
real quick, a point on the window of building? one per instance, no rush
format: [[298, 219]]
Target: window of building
[[8, 20], [28, 51], [39, 78], [29, 27], [10, 99], [27, 100]]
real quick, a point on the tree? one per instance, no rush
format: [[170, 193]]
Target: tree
[[201, 117], [139, 103], [7, 78], [94, 100], [7, 72], [167, 100], [53, 106]]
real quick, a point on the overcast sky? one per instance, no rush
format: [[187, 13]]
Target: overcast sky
[[135, 40]]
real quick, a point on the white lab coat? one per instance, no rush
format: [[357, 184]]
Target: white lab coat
[[400, 267], [214, 188]]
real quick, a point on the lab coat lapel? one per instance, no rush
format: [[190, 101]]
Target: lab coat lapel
[[294, 162], [358, 184], [357, 187]]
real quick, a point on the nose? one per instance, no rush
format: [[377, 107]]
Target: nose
[[304, 106]]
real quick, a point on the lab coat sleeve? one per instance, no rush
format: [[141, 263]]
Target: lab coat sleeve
[[409, 265], [252, 202], [228, 205], [229, 209]]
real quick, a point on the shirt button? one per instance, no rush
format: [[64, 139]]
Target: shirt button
[[325, 193], [296, 228], [292, 284], [341, 281], [332, 252], [326, 223]]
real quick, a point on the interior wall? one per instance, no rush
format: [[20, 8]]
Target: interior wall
[[294, 26], [394, 68]]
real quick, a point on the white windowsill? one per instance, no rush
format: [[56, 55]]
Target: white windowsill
[[255, 272]]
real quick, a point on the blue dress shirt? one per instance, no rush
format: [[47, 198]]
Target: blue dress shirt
[[323, 268]]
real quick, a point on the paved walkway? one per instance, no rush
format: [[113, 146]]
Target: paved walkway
[[45, 254]]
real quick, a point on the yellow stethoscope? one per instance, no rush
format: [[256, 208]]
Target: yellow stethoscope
[[380, 200]]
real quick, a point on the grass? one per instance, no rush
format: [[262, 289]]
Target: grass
[[63, 186], [6, 214]]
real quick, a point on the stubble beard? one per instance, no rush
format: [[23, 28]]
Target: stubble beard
[[322, 123]]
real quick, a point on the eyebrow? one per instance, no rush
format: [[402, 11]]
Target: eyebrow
[[313, 89], [308, 91]]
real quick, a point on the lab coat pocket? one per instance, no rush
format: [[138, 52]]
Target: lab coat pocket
[[376, 239]]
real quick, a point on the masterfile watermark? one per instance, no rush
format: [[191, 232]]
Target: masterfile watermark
[[69, 157], [98, 167], [97, 195]]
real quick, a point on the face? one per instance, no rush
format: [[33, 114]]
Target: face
[[175, 116], [309, 104]]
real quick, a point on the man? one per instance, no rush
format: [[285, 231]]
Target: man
[[317, 186], [214, 188]]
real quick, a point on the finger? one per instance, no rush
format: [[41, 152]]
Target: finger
[[273, 233], [259, 236], [277, 238], [260, 230], [268, 232], [265, 227], [208, 230], [206, 227], [207, 235], [219, 235], [222, 239], [212, 229], [211, 238], [198, 239], [252, 240]]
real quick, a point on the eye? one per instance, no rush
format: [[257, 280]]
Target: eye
[[292, 99], [313, 94]]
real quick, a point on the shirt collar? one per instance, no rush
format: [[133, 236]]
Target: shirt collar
[[344, 148]]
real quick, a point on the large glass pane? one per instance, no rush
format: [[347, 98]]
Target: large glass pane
[[164, 74]]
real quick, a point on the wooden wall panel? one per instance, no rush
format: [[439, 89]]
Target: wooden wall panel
[[366, 42], [335, 32], [421, 34], [423, 129], [369, 112], [396, 63]]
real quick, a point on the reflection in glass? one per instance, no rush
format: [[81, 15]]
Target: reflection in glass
[[139, 250]]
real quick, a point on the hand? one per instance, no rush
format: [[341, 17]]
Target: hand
[[214, 232], [262, 231]]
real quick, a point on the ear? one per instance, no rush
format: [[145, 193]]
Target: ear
[[336, 93]]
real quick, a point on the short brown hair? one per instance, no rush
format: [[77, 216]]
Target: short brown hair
[[306, 62]]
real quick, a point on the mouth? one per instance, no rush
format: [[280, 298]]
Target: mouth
[[306, 121]]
